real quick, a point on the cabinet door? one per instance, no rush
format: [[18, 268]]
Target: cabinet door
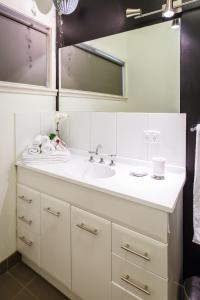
[[55, 239], [91, 256]]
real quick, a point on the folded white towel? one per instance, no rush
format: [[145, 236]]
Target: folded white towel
[[33, 149], [196, 191], [37, 140], [45, 139], [41, 158], [47, 148], [43, 150]]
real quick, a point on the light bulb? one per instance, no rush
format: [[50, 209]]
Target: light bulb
[[169, 14], [169, 9]]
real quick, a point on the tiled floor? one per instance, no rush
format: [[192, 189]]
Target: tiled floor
[[21, 283]]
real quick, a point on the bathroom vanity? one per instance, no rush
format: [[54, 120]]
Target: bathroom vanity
[[102, 236]]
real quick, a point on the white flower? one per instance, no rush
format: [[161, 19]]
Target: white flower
[[61, 116]]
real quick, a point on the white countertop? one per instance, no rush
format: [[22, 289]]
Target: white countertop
[[159, 194]]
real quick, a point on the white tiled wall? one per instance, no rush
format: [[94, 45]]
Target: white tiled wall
[[123, 134], [103, 131], [130, 135], [47, 122], [172, 138], [119, 133], [28, 125], [78, 135]]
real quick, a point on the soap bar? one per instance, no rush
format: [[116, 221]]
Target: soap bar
[[139, 172]]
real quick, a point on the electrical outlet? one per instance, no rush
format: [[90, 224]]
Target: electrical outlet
[[152, 136]]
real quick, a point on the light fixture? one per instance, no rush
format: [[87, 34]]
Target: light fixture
[[175, 24], [66, 7], [169, 11], [131, 12]]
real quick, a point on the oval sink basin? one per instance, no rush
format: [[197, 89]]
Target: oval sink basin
[[85, 169], [99, 171]]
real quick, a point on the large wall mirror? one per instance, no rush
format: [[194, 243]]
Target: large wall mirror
[[137, 71]]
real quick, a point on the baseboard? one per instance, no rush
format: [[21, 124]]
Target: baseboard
[[9, 262]]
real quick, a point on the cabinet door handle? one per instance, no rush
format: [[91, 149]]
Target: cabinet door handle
[[144, 289], [23, 219], [25, 241], [25, 199], [52, 212], [88, 229], [128, 249]]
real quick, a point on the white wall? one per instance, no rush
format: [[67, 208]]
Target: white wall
[[152, 55], [10, 103]]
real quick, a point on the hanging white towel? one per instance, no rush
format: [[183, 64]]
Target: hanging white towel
[[196, 191]]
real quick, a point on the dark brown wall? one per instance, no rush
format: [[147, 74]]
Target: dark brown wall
[[190, 104], [97, 18]]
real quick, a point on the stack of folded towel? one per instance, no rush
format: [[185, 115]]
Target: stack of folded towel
[[43, 150]]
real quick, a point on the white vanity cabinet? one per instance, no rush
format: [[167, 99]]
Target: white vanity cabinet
[[95, 246], [55, 248], [91, 255]]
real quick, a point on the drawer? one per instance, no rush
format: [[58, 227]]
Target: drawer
[[142, 284], [141, 250], [28, 198], [119, 293], [28, 218], [28, 244]]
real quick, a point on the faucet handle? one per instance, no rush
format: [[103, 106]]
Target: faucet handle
[[112, 159], [92, 154], [101, 160]]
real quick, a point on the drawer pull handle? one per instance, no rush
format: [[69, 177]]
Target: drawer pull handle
[[25, 241], [25, 199], [23, 219], [144, 289], [128, 249], [90, 230], [52, 212]]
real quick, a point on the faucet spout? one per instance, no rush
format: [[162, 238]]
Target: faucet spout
[[99, 149]]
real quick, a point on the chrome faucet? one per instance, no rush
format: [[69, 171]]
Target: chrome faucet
[[112, 160], [92, 153], [99, 151]]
